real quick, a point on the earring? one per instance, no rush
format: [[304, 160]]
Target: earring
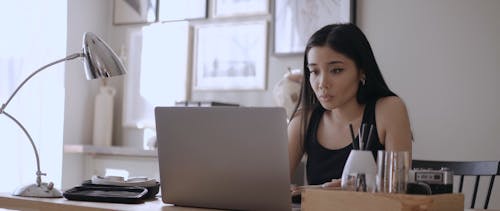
[[363, 81]]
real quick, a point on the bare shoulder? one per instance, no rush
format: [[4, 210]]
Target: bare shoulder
[[391, 112], [393, 123], [391, 102], [390, 105], [296, 121], [295, 140], [296, 125]]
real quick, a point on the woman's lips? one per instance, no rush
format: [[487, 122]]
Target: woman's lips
[[325, 97]]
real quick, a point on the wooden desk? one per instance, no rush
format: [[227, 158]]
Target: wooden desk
[[8, 201]]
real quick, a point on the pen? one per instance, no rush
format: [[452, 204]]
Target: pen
[[353, 138], [368, 141]]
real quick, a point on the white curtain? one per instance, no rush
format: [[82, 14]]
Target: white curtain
[[33, 34]]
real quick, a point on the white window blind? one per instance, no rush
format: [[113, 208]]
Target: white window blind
[[33, 35]]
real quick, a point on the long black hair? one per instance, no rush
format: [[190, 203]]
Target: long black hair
[[350, 41]]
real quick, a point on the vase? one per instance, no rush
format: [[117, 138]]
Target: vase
[[359, 172]]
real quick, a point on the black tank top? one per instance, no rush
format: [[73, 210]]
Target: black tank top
[[324, 164]]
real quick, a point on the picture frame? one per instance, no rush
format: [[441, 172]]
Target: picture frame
[[231, 8], [230, 56], [174, 10], [134, 11], [150, 61], [295, 21]]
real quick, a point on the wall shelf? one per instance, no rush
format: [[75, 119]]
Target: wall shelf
[[109, 151]]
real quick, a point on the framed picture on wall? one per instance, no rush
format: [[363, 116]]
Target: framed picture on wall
[[229, 8], [134, 11], [295, 21], [230, 56], [173, 10], [150, 61]]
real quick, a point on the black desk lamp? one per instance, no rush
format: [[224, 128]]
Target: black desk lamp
[[100, 62]]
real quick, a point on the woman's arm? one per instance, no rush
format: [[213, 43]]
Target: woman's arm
[[393, 124], [295, 143]]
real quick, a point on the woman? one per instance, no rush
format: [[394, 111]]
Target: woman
[[342, 85]]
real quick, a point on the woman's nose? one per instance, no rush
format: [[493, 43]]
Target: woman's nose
[[323, 82]]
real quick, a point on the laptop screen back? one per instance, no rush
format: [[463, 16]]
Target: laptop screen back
[[224, 157]]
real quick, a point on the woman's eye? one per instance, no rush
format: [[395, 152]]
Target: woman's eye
[[313, 72], [336, 70]]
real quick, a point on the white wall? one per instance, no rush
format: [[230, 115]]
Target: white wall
[[442, 57], [83, 16]]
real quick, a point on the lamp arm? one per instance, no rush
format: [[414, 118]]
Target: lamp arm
[[2, 111], [38, 172], [70, 57]]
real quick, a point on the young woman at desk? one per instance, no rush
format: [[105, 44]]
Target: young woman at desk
[[342, 85]]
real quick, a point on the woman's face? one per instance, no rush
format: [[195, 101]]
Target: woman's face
[[334, 77]]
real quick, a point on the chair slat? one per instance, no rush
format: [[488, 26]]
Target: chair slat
[[461, 183], [474, 193], [492, 180]]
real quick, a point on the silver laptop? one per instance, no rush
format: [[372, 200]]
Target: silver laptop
[[224, 157]]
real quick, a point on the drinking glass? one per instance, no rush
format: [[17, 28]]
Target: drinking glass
[[392, 171]]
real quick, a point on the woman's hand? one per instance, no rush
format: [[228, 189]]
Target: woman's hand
[[335, 183], [295, 190]]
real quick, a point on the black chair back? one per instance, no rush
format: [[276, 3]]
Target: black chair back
[[466, 168]]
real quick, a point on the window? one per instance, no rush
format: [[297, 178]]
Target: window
[[33, 35]]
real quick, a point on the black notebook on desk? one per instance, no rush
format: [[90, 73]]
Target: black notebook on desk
[[112, 193]]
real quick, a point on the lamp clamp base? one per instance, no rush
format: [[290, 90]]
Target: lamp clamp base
[[45, 190]]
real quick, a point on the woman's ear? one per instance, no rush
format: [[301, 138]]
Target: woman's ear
[[362, 77]]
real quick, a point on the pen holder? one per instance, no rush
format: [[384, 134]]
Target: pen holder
[[333, 200], [359, 172]]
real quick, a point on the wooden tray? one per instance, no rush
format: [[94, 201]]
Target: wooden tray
[[320, 199]]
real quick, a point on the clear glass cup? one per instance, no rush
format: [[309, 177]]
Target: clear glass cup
[[392, 171]]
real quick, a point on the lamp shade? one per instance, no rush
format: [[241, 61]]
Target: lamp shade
[[99, 60]]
